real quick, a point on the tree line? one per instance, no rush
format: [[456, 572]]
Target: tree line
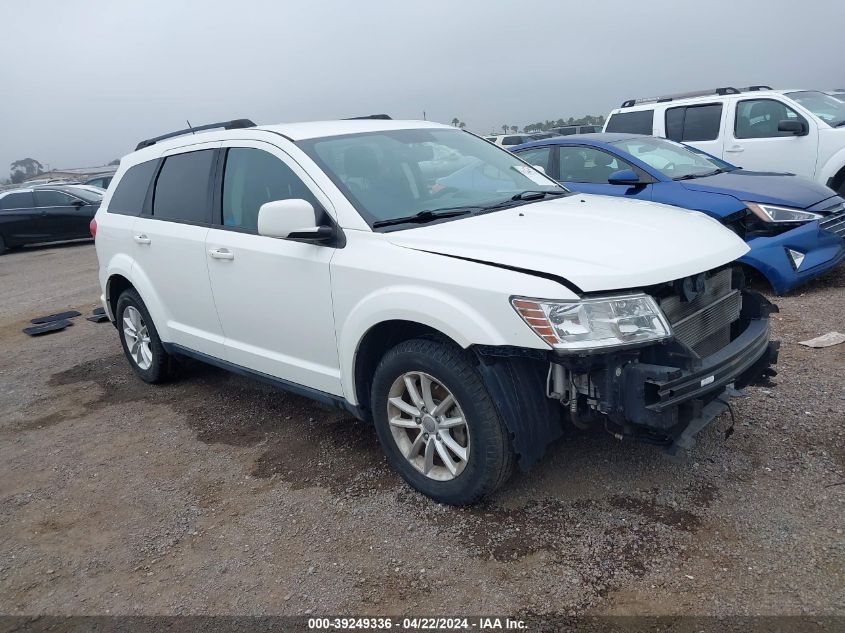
[[542, 126], [26, 168]]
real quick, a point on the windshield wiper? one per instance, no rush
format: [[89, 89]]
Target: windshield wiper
[[704, 175], [537, 195], [522, 196], [425, 216]]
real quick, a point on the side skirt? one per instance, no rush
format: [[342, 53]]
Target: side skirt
[[285, 385]]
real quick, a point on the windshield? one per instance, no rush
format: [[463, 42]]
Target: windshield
[[398, 173], [828, 109], [671, 159]]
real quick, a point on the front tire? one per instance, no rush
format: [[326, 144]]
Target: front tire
[[139, 338], [437, 424]]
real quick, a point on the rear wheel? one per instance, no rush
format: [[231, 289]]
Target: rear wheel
[[140, 339], [3, 247], [437, 424]]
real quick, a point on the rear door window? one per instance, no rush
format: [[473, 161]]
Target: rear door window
[[131, 192], [639, 122], [512, 140], [537, 156], [183, 188], [20, 200], [694, 123]]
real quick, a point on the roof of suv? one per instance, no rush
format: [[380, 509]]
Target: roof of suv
[[291, 131], [703, 97]]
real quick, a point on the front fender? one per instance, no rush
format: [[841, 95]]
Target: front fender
[[831, 167], [433, 308]]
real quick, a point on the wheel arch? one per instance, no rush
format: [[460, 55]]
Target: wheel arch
[[375, 343], [120, 277], [837, 181], [832, 173]]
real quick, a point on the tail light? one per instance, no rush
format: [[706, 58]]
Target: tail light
[[92, 226]]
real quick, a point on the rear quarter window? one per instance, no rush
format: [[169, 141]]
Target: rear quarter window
[[639, 122], [20, 200], [131, 192]]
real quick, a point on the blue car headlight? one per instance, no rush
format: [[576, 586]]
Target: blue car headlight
[[781, 215]]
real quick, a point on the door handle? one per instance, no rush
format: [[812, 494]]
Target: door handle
[[142, 239], [735, 149], [221, 253]]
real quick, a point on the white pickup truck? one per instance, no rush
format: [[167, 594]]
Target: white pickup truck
[[757, 128]]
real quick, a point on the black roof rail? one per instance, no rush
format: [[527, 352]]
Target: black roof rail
[[381, 117], [727, 90], [234, 124], [755, 88]]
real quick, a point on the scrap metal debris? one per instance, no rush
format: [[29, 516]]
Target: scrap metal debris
[[825, 340]]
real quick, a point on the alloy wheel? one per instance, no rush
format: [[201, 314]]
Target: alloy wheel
[[428, 426], [137, 337]]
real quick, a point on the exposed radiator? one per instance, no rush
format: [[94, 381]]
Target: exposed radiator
[[704, 324]]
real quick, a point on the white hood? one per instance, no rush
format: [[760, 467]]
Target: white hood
[[595, 242]]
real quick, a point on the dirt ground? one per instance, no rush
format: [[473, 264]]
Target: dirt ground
[[218, 495]]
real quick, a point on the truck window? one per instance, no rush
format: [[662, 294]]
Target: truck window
[[694, 123], [759, 118], [639, 122]]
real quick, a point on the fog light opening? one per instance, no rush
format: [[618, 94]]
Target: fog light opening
[[796, 257]]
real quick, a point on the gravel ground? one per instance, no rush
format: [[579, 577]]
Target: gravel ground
[[218, 495]]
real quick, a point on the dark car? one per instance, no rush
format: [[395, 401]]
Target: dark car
[[49, 213], [102, 181]]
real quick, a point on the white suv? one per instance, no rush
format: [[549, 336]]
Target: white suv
[[797, 131], [468, 315]]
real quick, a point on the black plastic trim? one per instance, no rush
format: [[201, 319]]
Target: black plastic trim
[[234, 124], [285, 385]]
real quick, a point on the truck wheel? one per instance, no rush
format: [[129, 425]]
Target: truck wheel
[[140, 340], [437, 424]]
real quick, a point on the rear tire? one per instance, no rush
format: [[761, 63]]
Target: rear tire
[[470, 455], [3, 247], [140, 340]]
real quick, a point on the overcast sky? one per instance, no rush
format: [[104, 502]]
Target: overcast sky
[[81, 82]]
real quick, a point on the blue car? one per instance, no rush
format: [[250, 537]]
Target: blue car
[[794, 226]]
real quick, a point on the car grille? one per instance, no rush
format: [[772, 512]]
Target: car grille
[[704, 324], [834, 223]]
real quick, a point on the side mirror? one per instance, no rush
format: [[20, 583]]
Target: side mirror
[[79, 203], [798, 128], [624, 177], [292, 220]]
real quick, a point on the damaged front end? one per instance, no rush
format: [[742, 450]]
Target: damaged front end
[[661, 393]]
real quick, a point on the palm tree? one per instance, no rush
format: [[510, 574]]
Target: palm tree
[[514, 129], [462, 125], [455, 122], [505, 128]]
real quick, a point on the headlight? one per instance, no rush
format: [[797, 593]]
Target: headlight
[[595, 323], [771, 213]]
